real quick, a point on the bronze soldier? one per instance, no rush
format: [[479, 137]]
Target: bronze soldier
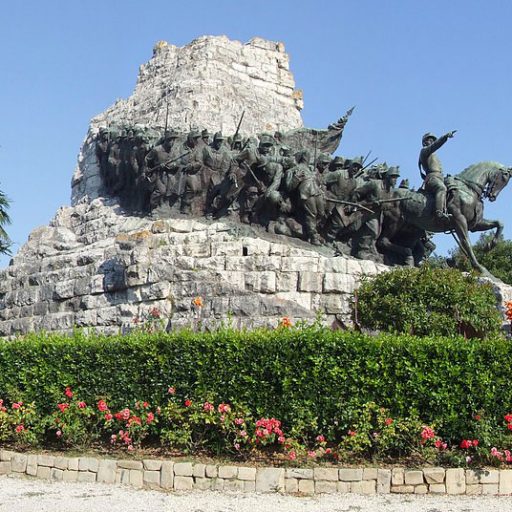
[[193, 174], [432, 172]]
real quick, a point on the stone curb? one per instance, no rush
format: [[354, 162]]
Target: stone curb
[[184, 476]]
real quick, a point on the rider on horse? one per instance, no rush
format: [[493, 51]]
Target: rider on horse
[[432, 172]]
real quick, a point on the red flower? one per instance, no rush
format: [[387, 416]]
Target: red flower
[[108, 416], [62, 407], [320, 439], [188, 402], [427, 433], [352, 433], [20, 428], [102, 406], [292, 455], [68, 392], [17, 405], [150, 418], [508, 418], [82, 405], [466, 443], [509, 426], [388, 421], [475, 442], [224, 408], [477, 417], [154, 313]]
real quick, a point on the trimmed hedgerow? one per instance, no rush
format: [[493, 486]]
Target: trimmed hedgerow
[[311, 378]]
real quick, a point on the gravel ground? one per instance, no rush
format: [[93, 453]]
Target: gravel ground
[[24, 495]]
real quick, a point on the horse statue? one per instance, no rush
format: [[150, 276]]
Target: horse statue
[[412, 214]]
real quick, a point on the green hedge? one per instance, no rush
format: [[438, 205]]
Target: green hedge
[[312, 379]]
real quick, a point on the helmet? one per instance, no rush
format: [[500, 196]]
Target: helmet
[[324, 157], [427, 136], [393, 171], [237, 138], [404, 183], [218, 136], [194, 133], [267, 140], [170, 134], [338, 162], [286, 150], [355, 162]]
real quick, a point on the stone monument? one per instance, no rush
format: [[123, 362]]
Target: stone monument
[[204, 188]]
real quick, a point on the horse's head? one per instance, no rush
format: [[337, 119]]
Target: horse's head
[[497, 182]]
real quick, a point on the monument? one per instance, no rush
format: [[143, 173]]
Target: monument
[[204, 183]]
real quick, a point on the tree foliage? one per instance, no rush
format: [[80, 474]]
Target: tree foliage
[[497, 260], [428, 302]]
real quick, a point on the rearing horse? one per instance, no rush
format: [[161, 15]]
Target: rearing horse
[[466, 192]]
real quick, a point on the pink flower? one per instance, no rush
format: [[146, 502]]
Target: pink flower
[[58, 433], [312, 454], [16, 405], [130, 447], [68, 392], [19, 428], [125, 414], [208, 407], [328, 451], [108, 416], [468, 459], [81, 405], [102, 406], [388, 421], [239, 421], [427, 433], [320, 439], [150, 418], [171, 390], [62, 407], [237, 446], [475, 442], [292, 455], [224, 408], [281, 439], [352, 433], [243, 433], [440, 445]]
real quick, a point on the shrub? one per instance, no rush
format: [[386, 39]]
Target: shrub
[[428, 302]]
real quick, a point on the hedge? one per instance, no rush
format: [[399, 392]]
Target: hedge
[[311, 378]]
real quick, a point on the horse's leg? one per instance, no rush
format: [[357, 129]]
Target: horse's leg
[[461, 229], [485, 225]]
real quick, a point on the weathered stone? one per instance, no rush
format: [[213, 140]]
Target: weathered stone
[[6, 455], [402, 489], [130, 464], [57, 474], [350, 475], [434, 475], [136, 478], [326, 474], [86, 476], [19, 463], [455, 481], [421, 489], [364, 487], [43, 472], [233, 485], [397, 476], [299, 473], [152, 465], [344, 487], [491, 489], [183, 469], [248, 474], [325, 486], [473, 489], [70, 476], [31, 465], [249, 486], [45, 460], [270, 479], [183, 483], [211, 471], [61, 462], [437, 488], [151, 479], [199, 470], [383, 481], [107, 471], [86, 464], [505, 481], [370, 473], [5, 467], [167, 475], [412, 477], [203, 484], [291, 485], [73, 464]]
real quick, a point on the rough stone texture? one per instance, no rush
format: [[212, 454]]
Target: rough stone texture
[[325, 486], [167, 475], [505, 481], [383, 481], [326, 474], [350, 475], [19, 463], [270, 479], [183, 483], [94, 267], [107, 471], [228, 472], [434, 475], [183, 469], [455, 481], [413, 477], [307, 486], [248, 474], [363, 487]]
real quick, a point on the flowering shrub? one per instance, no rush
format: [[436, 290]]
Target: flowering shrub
[[73, 423], [19, 424], [150, 322]]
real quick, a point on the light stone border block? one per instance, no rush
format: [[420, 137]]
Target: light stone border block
[[169, 475]]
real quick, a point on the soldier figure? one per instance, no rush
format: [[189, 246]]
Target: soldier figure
[[161, 170], [432, 172], [193, 173]]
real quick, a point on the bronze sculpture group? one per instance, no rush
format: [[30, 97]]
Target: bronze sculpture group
[[290, 184]]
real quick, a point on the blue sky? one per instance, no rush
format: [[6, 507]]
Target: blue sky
[[409, 67]]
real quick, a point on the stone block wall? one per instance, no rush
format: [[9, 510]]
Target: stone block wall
[[169, 475], [94, 267]]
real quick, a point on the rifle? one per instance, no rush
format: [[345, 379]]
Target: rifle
[[237, 129], [365, 167], [349, 203], [247, 167], [170, 161]]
